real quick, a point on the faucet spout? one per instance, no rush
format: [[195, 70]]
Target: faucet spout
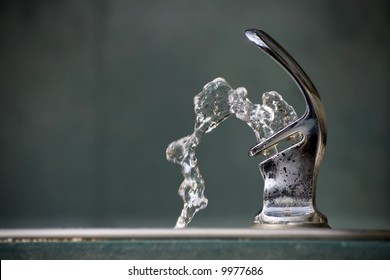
[[290, 176]]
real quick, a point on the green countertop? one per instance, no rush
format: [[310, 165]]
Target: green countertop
[[193, 244]]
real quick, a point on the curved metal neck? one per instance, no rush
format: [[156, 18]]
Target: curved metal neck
[[314, 106], [283, 58]]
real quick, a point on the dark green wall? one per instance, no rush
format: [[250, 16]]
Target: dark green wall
[[92, 92]]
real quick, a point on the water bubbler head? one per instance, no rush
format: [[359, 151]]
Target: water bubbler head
[[290, 176]]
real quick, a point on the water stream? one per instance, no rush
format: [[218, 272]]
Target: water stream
[[215, 103]]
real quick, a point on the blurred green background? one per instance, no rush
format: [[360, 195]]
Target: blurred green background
[[92, 92]]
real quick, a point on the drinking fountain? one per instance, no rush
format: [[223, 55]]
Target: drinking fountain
[[290, 176]]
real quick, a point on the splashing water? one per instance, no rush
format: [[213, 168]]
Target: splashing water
[[216, 102]]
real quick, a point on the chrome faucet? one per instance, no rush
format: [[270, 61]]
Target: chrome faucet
[[290, 176]]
